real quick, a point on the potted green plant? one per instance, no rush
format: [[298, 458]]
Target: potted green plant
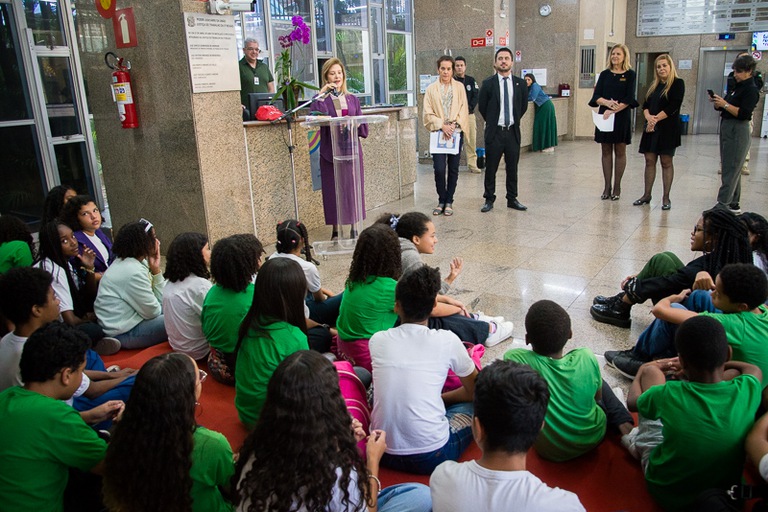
[[289, 87]]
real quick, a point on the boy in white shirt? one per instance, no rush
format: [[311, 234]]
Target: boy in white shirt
[[410, 364], [510, 404]]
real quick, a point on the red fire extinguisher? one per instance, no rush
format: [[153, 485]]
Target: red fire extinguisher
[[122, 93]]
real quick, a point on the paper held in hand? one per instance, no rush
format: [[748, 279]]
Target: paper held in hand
[[604, 125], [439, 145]]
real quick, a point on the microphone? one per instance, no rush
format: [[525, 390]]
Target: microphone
[[321, 95]]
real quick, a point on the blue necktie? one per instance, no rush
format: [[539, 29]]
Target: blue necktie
[[506, 102]]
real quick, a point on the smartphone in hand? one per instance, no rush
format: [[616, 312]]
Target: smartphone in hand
[[711, 93]]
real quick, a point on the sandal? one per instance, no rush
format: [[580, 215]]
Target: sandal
[[448, 210], [438, 210]]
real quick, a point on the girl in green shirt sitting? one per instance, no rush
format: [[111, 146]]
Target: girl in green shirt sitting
[[274, 328]]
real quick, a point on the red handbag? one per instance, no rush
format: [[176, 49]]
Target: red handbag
[[268, 113]]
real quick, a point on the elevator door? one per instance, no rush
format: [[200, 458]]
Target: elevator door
[[714, 66]]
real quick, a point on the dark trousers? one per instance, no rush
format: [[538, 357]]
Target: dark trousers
[[467, 329], [446, 188], [93, 330], [502, 142], [615, 411], [319, 339]]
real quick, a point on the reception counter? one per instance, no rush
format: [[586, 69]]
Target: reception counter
[[389, 158]]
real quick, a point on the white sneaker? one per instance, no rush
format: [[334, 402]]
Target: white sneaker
[[107, 346], [503, 331], [485, 318]]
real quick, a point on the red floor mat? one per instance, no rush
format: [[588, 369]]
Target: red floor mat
[[607, 479]]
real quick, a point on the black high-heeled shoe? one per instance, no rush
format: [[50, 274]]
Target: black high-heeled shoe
[[641, 201], [605, 196]]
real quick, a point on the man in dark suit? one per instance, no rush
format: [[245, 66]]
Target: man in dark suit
[[503, 101]]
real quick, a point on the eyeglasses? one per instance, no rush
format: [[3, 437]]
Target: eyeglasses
[[698, 228], [202, 375], [147, 225]]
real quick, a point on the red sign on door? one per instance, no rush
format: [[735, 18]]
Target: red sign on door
[[478, 42], [125, 28]]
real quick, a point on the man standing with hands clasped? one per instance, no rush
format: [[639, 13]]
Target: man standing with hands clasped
[[503, 101], [469, 134]]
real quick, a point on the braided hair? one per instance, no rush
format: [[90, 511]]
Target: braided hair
[[50, 249], [727, 237], [758, 227], [289, 234]]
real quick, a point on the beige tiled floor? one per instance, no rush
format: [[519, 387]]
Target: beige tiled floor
[[569, 246]]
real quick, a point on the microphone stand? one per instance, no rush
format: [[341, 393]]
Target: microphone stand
[[288, 117]]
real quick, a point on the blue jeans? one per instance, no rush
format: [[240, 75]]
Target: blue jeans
[[658, 339], [460, 425], [145, 334], [120, 392], [405, 498]]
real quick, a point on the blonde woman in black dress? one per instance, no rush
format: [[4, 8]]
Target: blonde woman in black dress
[[615, 95], [662, 128]]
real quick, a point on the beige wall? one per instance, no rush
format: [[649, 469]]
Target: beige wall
[[549, 42]]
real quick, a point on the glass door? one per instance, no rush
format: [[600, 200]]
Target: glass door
[[44, 120], [21, 169]]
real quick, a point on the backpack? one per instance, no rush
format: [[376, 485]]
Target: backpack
[[476, 352], [355, 396]]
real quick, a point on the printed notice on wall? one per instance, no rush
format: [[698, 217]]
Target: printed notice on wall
[[212, 52]]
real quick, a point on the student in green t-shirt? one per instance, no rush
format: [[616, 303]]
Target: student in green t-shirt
[[158, 438], [581, 403], [41, 437], [737, 302], [234, 261], [691, 431], [368, 305], [17, 249], [274, 328]]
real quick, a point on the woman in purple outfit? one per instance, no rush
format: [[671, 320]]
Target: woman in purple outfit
[[339, 103]]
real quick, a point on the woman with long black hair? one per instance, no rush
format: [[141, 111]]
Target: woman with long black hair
[[159, 458]]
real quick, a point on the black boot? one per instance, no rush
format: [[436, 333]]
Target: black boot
[[616, 313], [605, 299]]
